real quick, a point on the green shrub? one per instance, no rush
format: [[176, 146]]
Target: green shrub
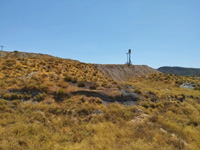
[[35, 86], [60, 93], [10, 62], [68, 79], [40, 97], [104, 84], [137, 91], [74, 80], [27, 96], [145, 104], [118, 86], [93, 86], [84, 111], [197, 88], [15, 51], [12, 96], [3, 102], [81, 84], [68, 101], [16, 102]]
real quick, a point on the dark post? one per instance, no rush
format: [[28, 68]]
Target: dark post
[[127, 57], [129, 51]]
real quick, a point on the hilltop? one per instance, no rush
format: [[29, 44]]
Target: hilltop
[[17, 54], [51, 103], [115, 72], [181, 71]]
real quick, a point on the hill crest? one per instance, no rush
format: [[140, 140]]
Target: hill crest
[[113, 71], [180, 71]]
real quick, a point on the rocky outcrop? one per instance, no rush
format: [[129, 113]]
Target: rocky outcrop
[[127, 99]]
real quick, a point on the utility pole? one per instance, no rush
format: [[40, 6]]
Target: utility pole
[[129, 51], [2, 47], [127, 58]]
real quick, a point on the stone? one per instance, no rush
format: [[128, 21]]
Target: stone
[[138, 110], [97, 112]]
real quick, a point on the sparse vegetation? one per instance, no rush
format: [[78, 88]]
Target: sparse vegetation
[[81, 83], [93, 86], [39, 111], [68, 79]]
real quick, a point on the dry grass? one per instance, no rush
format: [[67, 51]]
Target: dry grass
[[40, 115], [73, 125]]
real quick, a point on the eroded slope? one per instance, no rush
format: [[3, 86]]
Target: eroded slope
[[125, 72]]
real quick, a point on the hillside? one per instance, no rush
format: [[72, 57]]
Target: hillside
[[49, 103], [180, 71], [17, 54], [35, 74]]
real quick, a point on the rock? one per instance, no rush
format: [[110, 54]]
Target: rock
[[162, 130], [129, 103], [97, 112], [140, 118], [188, 85], [138, 110], [169, 98], [174, 136]]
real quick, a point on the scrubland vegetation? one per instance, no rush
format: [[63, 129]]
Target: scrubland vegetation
[[39, 111]]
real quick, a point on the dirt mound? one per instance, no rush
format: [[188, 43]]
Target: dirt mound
[[125, 72]]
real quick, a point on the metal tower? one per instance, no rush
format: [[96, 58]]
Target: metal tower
[[129, 57], [129, 52]]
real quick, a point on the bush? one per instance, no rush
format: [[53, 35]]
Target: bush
[[118, 86], [104, 84], [40, 97], [35, 86], [10, 62], [74, 80], [137, 91], [60, 92], [68, 79], [27, 96], [16, 102], [84, 111], [16, 51], [197, 88], [93, 86], [3, 102], [44, 75], [12, 96], [68, 101], [81, 84]]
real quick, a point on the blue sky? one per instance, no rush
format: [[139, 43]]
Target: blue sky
[[160, 33]]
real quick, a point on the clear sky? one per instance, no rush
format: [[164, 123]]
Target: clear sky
[[159, 32]]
